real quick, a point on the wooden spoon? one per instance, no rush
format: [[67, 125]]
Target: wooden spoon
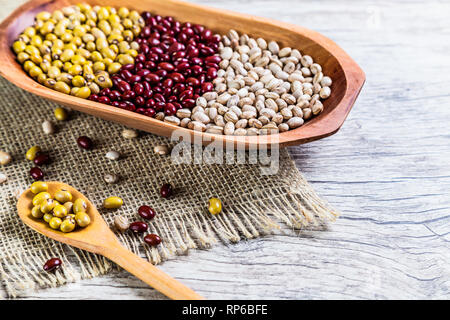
[[98, 238]]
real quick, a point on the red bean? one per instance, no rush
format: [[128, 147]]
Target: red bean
[[105, 92], [167, 92], [212, 65], [41, 159], [159, 106], [161, 73], [114, 95], [146, 212], [128, 95], [134, 78], [146, 15], [207, 86], [138, 88], [177, 105], [128, 66], [158, 97], [182, 66], [177, 77], [188, 103], [166, 66], [169, 109], [147, 94], [36, 173], [138, 226], [196, 60], [85, 142], [139, 101], [211, 74], [143, 72], [52, 265], [166, 190], [150, 65], [152, 78], [104, 100], [125, 74], [140, 58], [168, 83], [178, 55], [124, 86], [213, 59], [158, 89], [152, 239], [194, 82], [175, 47], [150, 112], [186, 94]]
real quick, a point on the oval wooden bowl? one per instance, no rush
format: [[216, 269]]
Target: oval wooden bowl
[[347, 76]]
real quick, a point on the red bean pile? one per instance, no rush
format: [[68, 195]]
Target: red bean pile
[[175, 65]]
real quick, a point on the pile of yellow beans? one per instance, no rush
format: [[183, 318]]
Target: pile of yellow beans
[[58, 211], [75, 50]]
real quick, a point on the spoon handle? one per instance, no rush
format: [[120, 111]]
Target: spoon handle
[[150, 274]]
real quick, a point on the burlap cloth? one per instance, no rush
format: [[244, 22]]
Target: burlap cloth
[[254, 204]]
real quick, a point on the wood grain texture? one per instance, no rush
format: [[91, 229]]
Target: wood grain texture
[[347, 76], [387, 170]]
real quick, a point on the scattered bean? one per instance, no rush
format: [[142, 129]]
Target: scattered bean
[[5, 158], [36, 173], [52, 265], [138, 227], [41, 159], [152, 239], [146, 212], [3, 177], [121, 223], [111, 178], [85, 142], [112, 155]]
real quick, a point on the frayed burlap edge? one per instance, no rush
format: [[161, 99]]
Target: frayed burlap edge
[[252, 216]]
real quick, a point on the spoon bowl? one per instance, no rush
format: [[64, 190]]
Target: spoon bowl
[[98, 238]]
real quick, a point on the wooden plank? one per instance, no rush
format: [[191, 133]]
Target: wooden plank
[[387, 170]]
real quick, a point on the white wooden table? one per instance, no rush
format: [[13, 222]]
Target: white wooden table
[[387, 170]]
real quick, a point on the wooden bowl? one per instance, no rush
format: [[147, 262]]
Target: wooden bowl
[[347, 76]]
